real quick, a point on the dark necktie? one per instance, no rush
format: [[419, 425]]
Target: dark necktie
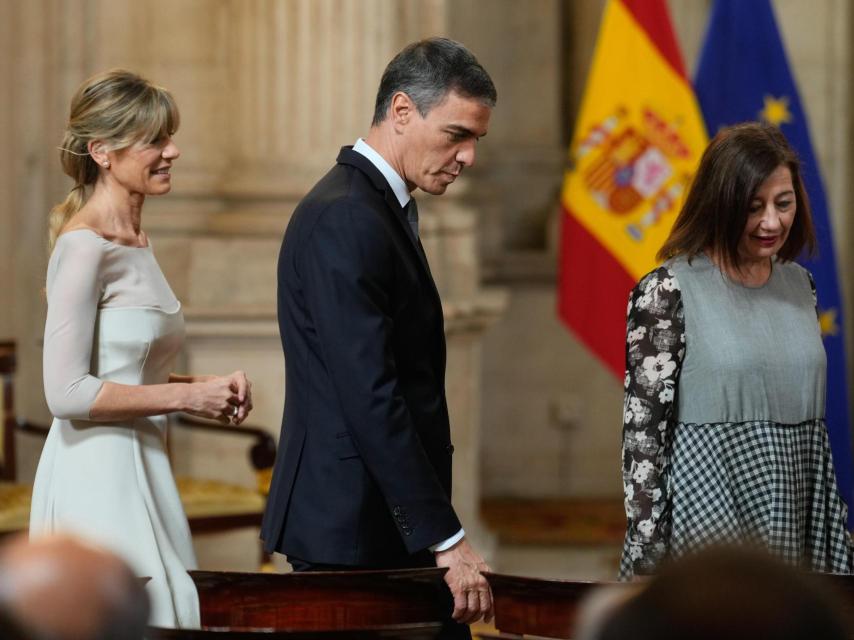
[[412, 216]]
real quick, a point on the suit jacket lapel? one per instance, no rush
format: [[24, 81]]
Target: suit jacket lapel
[[356, 159]]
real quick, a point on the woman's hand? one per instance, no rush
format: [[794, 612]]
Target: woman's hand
[[213, 398], [240, 384], [227, 399]]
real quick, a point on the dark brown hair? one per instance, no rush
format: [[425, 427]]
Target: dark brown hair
[[733, 167], [737, 594], [427, 71]]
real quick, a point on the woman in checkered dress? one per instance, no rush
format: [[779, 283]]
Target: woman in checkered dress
[[724, 439]]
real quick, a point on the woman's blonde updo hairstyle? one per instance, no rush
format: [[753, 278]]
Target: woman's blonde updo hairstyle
[[118, 108]]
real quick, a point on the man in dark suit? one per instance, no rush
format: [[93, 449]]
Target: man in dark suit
[[363, 475]]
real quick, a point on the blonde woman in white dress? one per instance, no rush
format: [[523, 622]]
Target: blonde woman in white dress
[[112, 333]]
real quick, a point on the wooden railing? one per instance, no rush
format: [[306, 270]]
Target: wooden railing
[[402, 604], [537, 607], [409, 603], [322, 600], [419, 631]]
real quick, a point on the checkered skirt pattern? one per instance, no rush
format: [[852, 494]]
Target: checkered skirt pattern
[[760, 483]]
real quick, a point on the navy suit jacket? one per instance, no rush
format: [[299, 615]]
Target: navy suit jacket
[[363, 472]]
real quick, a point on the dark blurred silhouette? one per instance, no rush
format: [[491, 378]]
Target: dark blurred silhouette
[[731, 594], [57, 588], [10, 629]]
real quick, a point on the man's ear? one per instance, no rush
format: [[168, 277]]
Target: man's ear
[[402, 110]]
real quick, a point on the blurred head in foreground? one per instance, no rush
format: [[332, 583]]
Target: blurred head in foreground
[[57, 588], [729, 593]]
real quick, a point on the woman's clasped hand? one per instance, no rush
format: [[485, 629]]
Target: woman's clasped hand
[[224, 398]]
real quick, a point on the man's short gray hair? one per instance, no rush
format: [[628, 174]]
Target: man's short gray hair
[[427, 71]]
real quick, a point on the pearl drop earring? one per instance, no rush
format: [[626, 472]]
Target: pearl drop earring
[[106, 164]]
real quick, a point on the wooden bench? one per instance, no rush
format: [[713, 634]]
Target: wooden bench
[[535, 606], [14, 497], [406, 603], [549, 608], [321, 600], [418, 631]]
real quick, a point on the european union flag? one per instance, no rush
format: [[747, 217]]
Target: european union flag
[[744, 75]]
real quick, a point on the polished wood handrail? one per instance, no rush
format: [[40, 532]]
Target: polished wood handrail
[[537, 606], [8, 365], [321, 600], [417, 631], [27, 426], [262, 454], [549, 608]]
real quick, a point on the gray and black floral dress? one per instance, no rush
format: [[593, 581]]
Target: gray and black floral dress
[[724, 439]]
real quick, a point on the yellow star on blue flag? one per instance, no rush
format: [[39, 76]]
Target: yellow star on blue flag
[[776, 110], [827, 322]]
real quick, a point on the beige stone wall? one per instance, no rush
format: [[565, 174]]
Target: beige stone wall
[[520, 44], [7, 180]]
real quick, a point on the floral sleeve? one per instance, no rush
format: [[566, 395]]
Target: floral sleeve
[[814, 295], [655, 346]]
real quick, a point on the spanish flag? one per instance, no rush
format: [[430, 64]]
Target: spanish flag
[[637, 143]]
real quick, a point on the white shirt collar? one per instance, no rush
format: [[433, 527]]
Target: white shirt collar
[[398, 186]]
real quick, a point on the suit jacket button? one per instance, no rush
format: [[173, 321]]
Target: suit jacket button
[[450, 448]]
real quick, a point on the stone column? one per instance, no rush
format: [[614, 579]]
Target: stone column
[[35, 55], [818, 42], [7, 167]]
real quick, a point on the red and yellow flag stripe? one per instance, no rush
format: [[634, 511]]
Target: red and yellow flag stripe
[[637, 142]]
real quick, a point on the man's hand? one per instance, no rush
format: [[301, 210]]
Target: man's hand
[[472, 595]]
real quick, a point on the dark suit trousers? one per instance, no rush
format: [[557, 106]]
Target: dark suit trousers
[[450, 631]]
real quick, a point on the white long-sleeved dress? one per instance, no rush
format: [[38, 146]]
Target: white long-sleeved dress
[[113, 317]]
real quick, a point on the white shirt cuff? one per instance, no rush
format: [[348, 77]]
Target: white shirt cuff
[[450, 542]]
